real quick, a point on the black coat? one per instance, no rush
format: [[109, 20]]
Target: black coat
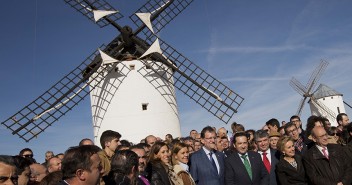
[[287, 174], [236, 173], [157, 174], [323, 171]]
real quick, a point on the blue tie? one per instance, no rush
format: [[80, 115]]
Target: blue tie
[[212, 161]]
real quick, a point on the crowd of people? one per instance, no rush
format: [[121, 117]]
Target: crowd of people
[[286, 153]]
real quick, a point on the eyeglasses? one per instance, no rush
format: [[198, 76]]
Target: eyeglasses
[[291, 131], [335, 134], [28, 156]]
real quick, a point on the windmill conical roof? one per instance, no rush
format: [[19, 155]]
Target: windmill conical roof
[[325, 91]]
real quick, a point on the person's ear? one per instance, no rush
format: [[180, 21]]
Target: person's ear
[[80, 174], [134, 169], [314, 139]]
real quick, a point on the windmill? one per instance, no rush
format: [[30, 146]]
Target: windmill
[[131, 81], [323, 101]]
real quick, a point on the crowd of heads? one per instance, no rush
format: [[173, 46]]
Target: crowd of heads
[[117, 160]]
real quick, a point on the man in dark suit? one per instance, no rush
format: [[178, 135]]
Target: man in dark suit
[[207, 164], [270, 157], [243, 167], [327, 163]]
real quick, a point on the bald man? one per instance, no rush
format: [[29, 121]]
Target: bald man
[[54, 164], [327, 163], [38, 172]]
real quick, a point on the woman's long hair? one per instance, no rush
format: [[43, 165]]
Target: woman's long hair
[[155, 150]]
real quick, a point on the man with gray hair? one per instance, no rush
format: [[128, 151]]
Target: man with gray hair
[[270, 157], [8, 175]]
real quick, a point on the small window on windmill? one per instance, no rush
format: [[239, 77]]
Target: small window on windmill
[[144, 106], [323, 98], [132, 66], [338, 110], [332, 97]]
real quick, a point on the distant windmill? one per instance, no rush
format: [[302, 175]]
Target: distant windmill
[[131, 81], [324, 101]]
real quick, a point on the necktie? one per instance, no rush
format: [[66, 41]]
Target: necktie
[[212, 161], [145, 181], [247, 165], [325, 153], [266, 162]]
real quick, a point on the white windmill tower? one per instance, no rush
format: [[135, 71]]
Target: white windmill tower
[[135, 108], [131, 81], [331, 99], [324, 101]]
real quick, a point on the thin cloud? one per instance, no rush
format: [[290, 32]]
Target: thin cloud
[[252, 49], [236, 79], [275, 49]]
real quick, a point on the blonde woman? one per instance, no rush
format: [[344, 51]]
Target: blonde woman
[[289, 170], [180, 154]]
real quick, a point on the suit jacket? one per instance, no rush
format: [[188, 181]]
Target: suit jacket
[[323, 171], [287, 174], [236, 173], [275, 156], [203, 171]]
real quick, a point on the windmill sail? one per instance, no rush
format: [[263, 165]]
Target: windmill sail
[[193, 81], [37, 116], [197, 84], [162, 13], [88, 7], [323, 110], [306, 91]]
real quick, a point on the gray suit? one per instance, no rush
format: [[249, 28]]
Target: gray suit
[[202, 170]]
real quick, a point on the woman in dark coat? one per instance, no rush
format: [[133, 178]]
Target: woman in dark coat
[[290, 169], [159, 169]]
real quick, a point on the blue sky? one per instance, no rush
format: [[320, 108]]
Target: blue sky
[[254, 47]]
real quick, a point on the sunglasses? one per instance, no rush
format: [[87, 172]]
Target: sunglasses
[[334, 134], [28, 156]]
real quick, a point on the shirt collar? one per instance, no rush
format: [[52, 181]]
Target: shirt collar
[[267, 151], [207, 151], [184, 166]]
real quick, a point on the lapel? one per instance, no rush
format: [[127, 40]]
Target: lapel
[[289, 166], [253, 164], [241, 166], [207, 162], [317, 154], [274, 159], [220, 161], [331, 151], [299, 163]]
